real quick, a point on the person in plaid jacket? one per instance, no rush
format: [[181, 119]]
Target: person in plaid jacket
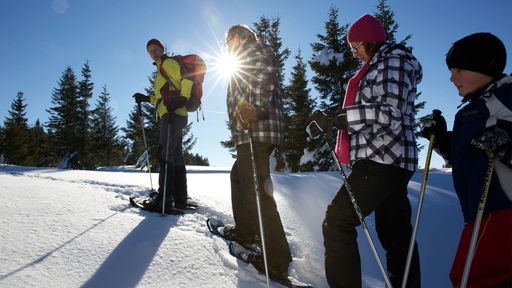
[[254, 106], [376, 138]]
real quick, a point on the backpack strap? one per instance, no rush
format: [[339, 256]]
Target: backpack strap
[[164, 74]]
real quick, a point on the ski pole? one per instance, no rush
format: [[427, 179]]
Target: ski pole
[[478, 220], [418, 212], [258, 206], [166, 161], [359, 213], [141, 117]]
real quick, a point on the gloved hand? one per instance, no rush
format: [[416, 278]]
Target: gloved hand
[[433, 124], [318, 123], [246, 115], [321, 122], [139, 97], [175, 102], [340, 119], [497, 141]]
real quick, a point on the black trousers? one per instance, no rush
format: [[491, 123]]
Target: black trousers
[[171, 157], [383, 189], [243, 200]]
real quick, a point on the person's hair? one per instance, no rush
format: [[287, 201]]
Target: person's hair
[[372, 47], [245, 33]]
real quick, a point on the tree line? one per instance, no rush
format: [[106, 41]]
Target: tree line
[[77, 136]]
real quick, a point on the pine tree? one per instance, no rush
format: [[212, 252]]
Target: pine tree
[[16, 134], [386, 16], [105, 142], [85, 88], [64, 121], [196, 159], [133, 136], [268, 30], [2, 144], [331, 80], [152, 126], [229, 144], [39, 145], [133, 131], [333, 65], [300, 105]]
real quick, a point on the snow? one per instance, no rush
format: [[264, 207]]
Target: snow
[[326, 56], [68, 228]]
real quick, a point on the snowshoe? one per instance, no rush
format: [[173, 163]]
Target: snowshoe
[[228, 232], [243, 253], [151, 205], [216, 227]]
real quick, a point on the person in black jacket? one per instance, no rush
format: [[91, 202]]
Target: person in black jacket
[[482, 127]]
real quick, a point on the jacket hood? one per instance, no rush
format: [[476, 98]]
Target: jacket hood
[[400, 52]]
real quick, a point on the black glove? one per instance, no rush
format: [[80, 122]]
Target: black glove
[[246, 115], [321, 122], [495, 140], [176, 102], [340, 119], [139, 97], [317, 124], [433, 124]]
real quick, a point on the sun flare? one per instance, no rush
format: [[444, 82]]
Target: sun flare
[[228, 65]]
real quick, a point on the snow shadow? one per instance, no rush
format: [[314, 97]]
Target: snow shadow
[[42, 258], [133, 255]]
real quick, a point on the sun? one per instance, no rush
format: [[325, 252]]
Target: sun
[[227, 65], [223, 66]]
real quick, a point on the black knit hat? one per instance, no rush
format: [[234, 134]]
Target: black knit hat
[[479, 52]]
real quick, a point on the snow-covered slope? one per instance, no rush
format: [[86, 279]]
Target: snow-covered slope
[[64, 228]]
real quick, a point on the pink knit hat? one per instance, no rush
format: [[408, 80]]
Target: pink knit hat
[[366, 29]]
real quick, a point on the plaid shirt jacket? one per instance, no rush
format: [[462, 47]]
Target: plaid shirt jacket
[[380, 123], [256, 85]]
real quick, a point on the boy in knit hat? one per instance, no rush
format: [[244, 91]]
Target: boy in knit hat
[[375, 137], [482, 127]]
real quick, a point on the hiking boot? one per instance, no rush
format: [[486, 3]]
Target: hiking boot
[[278, 275], [153, 194], [251, 243], [155, 204], [152, 204], [227, 231], [274, 273]]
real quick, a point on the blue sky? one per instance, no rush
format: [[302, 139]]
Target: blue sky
[[40, 38]]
